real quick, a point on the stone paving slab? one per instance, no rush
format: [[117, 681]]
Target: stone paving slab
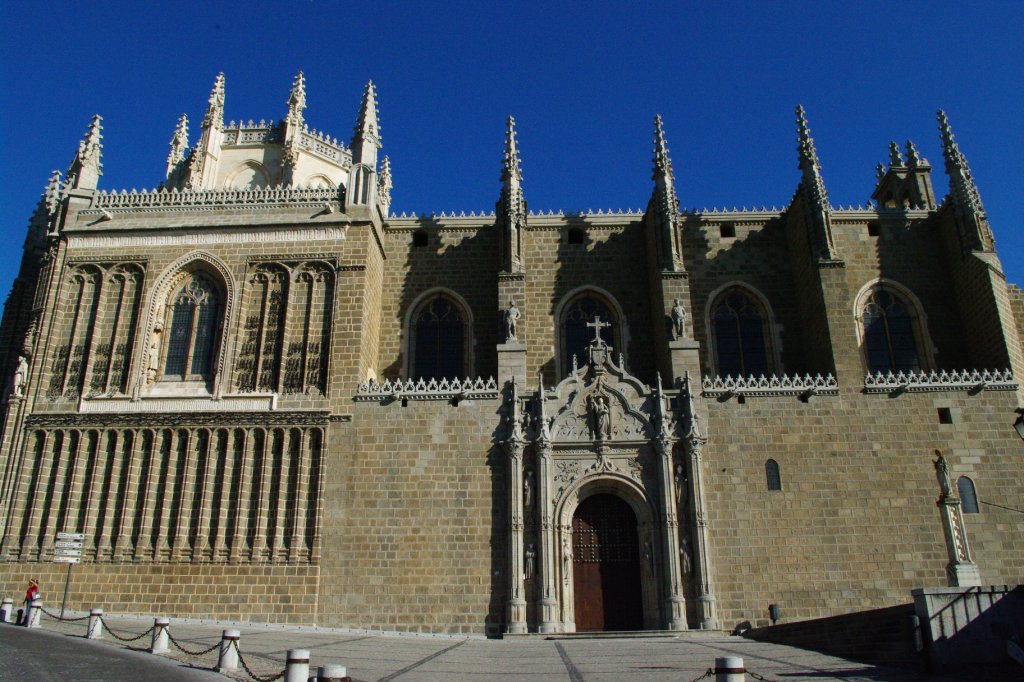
[[379, 658]]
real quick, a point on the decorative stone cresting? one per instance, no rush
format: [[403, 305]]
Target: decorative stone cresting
[[243, 198], [770, 386], [924, 382], [427, 390]]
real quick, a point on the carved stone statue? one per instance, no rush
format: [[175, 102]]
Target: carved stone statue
[[153, 356], [601, 412], [567, 562], [511, 318], [530, 565], [20, 376], [678, 320], [942, 474], [528, 489], [686, 556]]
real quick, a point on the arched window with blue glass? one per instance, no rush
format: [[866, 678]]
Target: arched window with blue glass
[[741, 334], [193, 322], [440, 328], [968, 495], [891, 330]]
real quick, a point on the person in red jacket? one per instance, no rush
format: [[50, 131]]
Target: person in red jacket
[[31, 593]]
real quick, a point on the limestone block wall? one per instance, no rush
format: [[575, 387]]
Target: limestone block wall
[[855, 525], [251, 593], [414, 519]]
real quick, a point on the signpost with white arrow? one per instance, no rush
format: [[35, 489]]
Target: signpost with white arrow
[[68, 550]]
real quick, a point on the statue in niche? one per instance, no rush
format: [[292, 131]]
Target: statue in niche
[[686, 556], [153, 353], [942, 474], [20, 376], [680, 481], [528, 489], [530, 565], [567, 561], [601, 411], [678, 320], [511, 318]]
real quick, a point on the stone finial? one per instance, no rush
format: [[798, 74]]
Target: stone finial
[[895, 157], [384, 184], [964, 191], [297, 100], [511, 208], [666, 202], [879, 171], [52, 195], [179, 147], [511, 170], [366, 136], [914, 159], [813, 188], [215, 106], [86, 168]]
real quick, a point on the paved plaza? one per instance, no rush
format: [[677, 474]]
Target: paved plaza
[[380, 658]]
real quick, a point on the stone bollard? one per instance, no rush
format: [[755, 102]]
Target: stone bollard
[[6, 610], [35, 614], [332, 673], [160, 640], [297, 667], [228, 660], [729, 669], [95, 630]]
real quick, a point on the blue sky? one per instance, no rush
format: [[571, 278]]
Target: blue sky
[[583, 80]]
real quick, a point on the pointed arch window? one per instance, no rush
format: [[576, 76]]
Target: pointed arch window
[[890, 332], [192, 329], [772, 474], [576, 335], [968, 495], [439, 340], [739, 324]]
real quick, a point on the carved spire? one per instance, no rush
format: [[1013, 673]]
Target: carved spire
[[179, 150], [895, 157], [384, 184], [914, 159], [693, 434], [86, 168], [366, 137], [297, 100], [215, 106], [52, 195], [966, 198], [817, 208], [666, 203], [879, 171], [511, 208]]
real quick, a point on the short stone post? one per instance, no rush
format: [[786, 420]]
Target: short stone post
[[228, 651], [161, 642], [332, 673], [6, 610], [95, 630], [297, 666], [35, 614], [730, 669]]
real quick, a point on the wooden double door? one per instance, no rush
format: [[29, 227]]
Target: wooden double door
[[606, 565]]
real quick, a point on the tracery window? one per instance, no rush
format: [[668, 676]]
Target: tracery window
[[439, 330], [576, 335], [968, 495], [889, 332], [192, 329], [740, 327], [772, 474]]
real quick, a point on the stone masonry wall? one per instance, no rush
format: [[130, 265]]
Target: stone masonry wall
[[855, 525]]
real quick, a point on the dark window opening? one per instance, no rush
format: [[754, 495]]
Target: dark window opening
[[740, 330], [192, 331], [576, 335], [873, 228], [439, 341], [968, 495], [945, 415], [771, 471], [727, 230], [889, 339], [419, 238], [575, 236]]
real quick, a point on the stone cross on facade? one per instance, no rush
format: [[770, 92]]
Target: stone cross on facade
[[598, 325]]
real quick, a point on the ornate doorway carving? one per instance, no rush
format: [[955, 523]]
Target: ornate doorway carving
[[606, 565]]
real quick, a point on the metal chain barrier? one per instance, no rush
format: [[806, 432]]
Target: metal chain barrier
[[58, 617], [759, 678], [118, 637], [248, 670], [709, 673], [189, 651]]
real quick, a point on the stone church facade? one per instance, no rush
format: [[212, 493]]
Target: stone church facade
[[260, 396]]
